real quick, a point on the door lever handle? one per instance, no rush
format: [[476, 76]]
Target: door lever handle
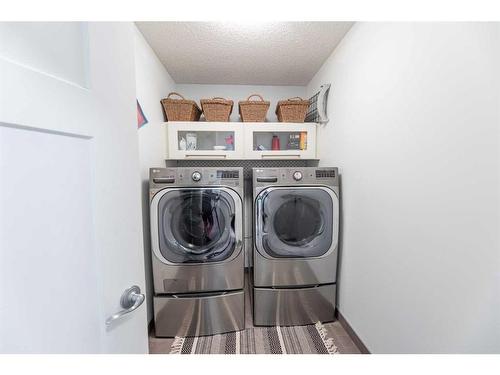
[[131, 299]]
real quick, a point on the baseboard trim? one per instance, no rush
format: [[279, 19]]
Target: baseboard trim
[[150, 326], [352, 334]]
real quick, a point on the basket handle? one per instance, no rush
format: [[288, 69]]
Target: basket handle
[[219, 97], [261, 98], [295, 98], [175, 93]]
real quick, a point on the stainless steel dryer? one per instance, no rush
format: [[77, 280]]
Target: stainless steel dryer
[[197, 245], [296, 227]]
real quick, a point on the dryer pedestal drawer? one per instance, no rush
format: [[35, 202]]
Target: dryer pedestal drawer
[[293, 306], [199, 314]]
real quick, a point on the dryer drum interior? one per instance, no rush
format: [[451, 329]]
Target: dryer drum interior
[[296, 223], [298, 220]]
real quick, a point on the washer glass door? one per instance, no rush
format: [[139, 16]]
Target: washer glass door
[[296, 222], [196, 225]]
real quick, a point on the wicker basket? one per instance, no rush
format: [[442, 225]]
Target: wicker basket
[[253, 110], [180, 109], [216, 109], [292, 110]]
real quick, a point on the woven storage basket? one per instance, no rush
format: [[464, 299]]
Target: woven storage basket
[[216, 109], [292, 110], [180, 109], [253, 110]]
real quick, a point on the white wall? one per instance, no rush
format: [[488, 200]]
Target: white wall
[[57, 49], [241, 92], [414, 128], [152, 84]]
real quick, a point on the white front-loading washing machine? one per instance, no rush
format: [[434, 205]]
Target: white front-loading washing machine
[[296, 231], [197, 250]]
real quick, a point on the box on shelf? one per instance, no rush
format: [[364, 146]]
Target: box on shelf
[[253, 110], [292, 110], [180, 109], [293, 141], [217, 109]]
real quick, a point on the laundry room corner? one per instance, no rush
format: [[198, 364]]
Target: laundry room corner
[[153, 83]]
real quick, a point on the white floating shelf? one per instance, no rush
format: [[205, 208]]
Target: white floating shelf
[[246, 136]]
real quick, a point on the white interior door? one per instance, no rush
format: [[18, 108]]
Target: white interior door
[[70, 214]]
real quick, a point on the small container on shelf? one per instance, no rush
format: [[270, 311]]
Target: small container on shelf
[[275, 145], [180, 109], [292, 110], [293, 141], [303, 141], [217, 109], [253, 110], [191, 141], [229, 142]]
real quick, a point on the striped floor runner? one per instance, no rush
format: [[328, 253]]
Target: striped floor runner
[[310, 339]]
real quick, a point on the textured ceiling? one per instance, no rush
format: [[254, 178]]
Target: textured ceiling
[[279, 53]]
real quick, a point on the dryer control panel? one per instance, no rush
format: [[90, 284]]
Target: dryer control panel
[[295, 176]]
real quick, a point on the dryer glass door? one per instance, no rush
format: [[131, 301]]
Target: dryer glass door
[[196, 225], [296, 222]]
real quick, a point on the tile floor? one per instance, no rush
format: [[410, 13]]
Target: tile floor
[[335, 330]]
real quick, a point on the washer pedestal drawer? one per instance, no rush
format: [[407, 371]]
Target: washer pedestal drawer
[[199, 314], [293, 306]]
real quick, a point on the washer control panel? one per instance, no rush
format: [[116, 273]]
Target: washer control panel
[[197, 176]]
